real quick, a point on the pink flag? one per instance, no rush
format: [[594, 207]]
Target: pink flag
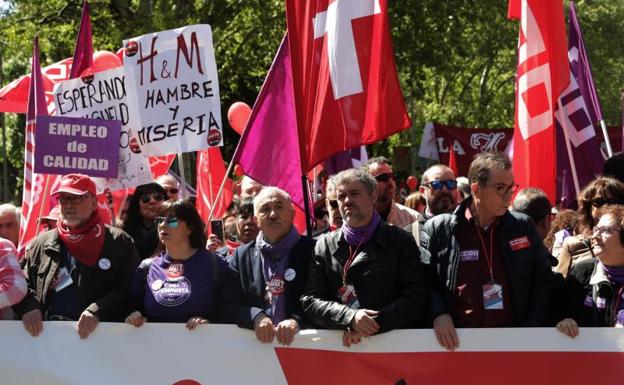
[[269, 148], [210, 173], [83, 52], [36, 186]]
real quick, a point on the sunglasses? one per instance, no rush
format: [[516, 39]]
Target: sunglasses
[[384, 177], [158, 197], [170, 222], [333, 204], [172, 190], [599, 202], [437, 185]]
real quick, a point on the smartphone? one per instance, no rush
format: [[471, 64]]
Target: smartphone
[[216, 226]]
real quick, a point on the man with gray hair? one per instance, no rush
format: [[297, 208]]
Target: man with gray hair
[[389, 211], [534, 203], [170, 185], [10, 223], [272, 271], [365, 278]]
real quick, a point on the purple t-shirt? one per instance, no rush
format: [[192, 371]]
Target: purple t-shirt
[[178, 290]]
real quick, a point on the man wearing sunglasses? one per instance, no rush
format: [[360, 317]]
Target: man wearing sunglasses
[[170, 185], [390, 211], [82, 269], [488, 266]]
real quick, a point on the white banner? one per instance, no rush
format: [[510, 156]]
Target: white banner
[[103, 96], [168, 354], [173, 90]]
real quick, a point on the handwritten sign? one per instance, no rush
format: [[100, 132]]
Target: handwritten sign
[[76, 145], [103, 96], [173, 90]]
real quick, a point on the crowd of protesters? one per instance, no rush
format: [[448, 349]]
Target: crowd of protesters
[[456, 253]]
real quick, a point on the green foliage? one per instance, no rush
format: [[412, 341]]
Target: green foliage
[[456, 59]]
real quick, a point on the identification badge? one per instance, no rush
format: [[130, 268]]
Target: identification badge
[[520, 243], [492, 296], [349, 297], [469, 255], [63, 279]]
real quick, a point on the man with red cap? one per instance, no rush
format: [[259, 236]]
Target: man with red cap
[[81, 270]]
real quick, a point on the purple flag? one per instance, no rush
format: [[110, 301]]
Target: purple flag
[[269, 148], [343, 160], [83, 52], [579, 158]]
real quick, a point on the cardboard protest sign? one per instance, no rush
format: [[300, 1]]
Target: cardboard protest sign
[[103, 96], [173, 90], [76, 145]]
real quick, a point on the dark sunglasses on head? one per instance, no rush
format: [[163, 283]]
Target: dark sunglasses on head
[[158, 197], [172, 190], [384, 177], [171, 222], [599, 202], [333, 204], [437, 185]]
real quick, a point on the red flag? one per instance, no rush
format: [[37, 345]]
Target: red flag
[[159, 165], [36, 186], [453, 160], [542, 74], [83, 52], [210, 174], [345, 82]]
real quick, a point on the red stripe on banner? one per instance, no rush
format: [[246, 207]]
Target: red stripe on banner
[[483, 368]]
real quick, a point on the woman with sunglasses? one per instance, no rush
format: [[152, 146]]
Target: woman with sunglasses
[[142, 211], [601, 191], [184, 282], [594, 288]]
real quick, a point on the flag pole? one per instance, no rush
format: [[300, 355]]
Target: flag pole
[[605, 133], [181, 168], [306, 204]]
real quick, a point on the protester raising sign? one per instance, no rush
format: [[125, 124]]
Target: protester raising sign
[[76, 145], [103, 96], [173, 90]]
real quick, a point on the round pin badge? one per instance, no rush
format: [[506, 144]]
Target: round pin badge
[[157, 285], [290, 274], [104, 263]]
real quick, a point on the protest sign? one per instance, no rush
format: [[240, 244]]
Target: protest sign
[[76, 145], [173, 90], [103, 96]]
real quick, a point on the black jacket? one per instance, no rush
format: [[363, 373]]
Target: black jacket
[[103, 292], [589, 298], [528, 270], [387, 276], [247, 266]]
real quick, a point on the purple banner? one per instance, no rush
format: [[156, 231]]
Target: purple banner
[[76, 145]]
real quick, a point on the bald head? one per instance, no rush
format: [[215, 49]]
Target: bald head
[[439, 188]]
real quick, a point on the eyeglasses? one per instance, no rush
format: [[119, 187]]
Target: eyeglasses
[[599, 202], [437, 185], [384, 177], [172, 190], [171, 222], [598, 230], [71, 199], [158, 197], [333, 204], [503, 190]]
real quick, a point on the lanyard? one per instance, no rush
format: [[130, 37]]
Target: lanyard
[[489, 257], [349, 262]]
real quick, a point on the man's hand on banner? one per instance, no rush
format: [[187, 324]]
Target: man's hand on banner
[[87, 324], [445, 332], [364, 322], [264, 328], [33, 322], [286, 330]]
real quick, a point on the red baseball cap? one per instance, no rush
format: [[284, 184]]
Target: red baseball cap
[[77, 184]]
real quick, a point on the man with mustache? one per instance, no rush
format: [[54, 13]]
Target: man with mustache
[[81, 270], [365, 278]]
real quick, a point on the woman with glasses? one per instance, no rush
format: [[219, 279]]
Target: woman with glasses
[[601, 191], [595, 287], [142, 211], [184, 282]]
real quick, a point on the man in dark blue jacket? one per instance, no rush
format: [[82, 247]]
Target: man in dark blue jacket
[[488, 266]]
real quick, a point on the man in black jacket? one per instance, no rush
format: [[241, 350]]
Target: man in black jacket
[[365, 278], [488, 266]]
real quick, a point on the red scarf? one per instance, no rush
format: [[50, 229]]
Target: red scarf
[[86, 242]]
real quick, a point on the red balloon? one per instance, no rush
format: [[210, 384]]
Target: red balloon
[[412, 182], [119, 54], [238, 115], [238, 170], [102, 61]]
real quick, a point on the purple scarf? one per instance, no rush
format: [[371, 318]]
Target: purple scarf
[[614, 274], [356, 236], [275, 259]]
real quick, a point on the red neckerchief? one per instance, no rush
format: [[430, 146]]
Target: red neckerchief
[[84, 243]]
